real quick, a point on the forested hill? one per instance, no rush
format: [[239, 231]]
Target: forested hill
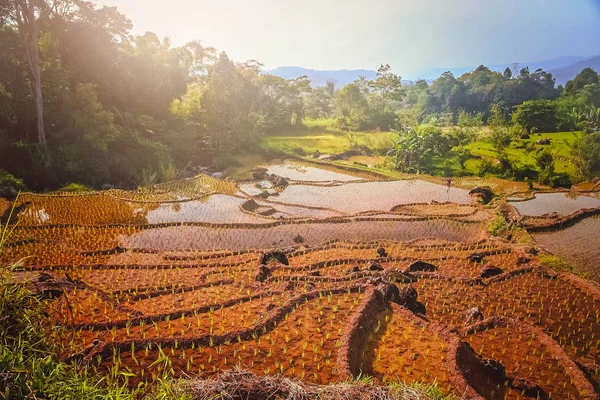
[[563, 68], [565, 74]]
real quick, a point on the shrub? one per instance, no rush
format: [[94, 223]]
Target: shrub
[[10, 180], [76, 188], [537, 116], [299, 150], [225, 160], [562, 180], [525, 173], [499, 226], [485, 167]]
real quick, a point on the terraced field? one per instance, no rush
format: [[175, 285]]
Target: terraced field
[[323, 278]]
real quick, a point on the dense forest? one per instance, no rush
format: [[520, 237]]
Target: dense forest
[[84, 100]]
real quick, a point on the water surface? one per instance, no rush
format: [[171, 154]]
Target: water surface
[[578, 244], [372, 196], [561, 203], [299, 172]]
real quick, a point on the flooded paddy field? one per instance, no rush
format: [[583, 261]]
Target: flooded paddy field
[[578, 244], [561, 203]]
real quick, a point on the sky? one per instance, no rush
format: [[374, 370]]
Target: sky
[[410, 35]]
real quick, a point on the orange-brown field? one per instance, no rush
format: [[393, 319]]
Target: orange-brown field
[[323, 279]]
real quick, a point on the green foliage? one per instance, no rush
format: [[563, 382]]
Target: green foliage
[[539, 114], [477, 91], [586, 155], [319, 103], [470, 120], [485, 167], [326, 140], [225, 160], [499, 225], [75, 188], [586, 118], [587, 78], [10, 180], [554, 262], [416, 147], [365, 105], [224, 108], [497, 119], [500, 137], [379, 143], [545, 160], [352, 108]]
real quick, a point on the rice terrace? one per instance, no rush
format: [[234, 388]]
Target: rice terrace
[[399, 280], [384, 200]]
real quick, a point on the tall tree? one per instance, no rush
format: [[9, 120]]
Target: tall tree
[[586, 77], [24, 14]]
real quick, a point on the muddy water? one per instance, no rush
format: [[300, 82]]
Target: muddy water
[[201, 238], [561, 203], [220, 208], [371, 196], [216, 208], [299, 172], [578, 244]]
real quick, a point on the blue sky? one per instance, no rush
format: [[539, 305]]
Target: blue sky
[[410, 35]]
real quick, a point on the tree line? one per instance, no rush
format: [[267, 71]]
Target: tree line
[[385, 103], [84, 100]]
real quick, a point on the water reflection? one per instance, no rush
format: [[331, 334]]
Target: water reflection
[[370, 196], [299, 172], [561, 203]]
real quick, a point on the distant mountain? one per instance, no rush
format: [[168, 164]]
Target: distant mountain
[[563, 68], [567, 73], [320, 78], [546, 65]]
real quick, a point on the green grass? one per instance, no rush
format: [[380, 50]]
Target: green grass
[[560, 147], [322, 135], [328, 140], [551, 261], [325, 143]]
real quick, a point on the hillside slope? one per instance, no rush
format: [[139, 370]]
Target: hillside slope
[[565, 74]]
